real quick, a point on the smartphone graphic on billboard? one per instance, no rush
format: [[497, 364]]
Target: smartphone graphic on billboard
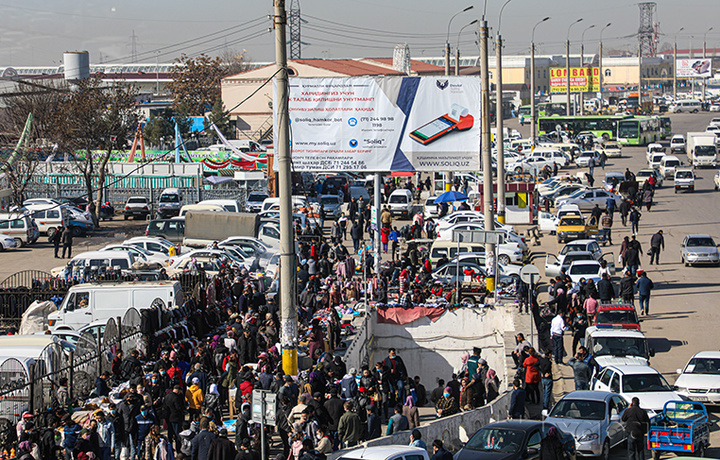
[[457, 120]]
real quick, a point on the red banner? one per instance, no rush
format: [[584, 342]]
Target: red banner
[[399, 315]]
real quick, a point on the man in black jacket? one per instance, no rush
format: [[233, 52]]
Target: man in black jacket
[[334, 406], [131, 366], [127, 410], [605, 288], [637, 423], [398, 374], [627, 288], [174, 414], [247, 347]]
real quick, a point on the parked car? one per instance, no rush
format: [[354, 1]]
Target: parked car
[[583, 160], [172, 229], [154, 245], [448, 273], [587, 269], [588, 198], [512, 440], [699, 249], [612, 149], [333, 205], [553, 264], [617, 315], [699, 380], [643, 175], [254, 201], [137, 206], [389, 452], [642, 382], [7, 242], [594, 419], [138, 253]]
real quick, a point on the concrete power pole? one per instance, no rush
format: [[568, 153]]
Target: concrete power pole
[[485, 140], [499, 135], [288, 296]]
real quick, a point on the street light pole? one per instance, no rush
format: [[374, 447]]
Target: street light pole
[[499, 137], [582, 67], [457, 48], [600, 69], [675, 64], [567, 66], [533, 114], [447, 176], [704, 56]]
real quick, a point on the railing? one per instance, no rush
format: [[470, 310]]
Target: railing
[[357, 354]]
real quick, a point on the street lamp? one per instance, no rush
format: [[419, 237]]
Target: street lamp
[[582, 66], [457, 49], [704, 56], [499, 122], [533, 116], [675, 63], [600, 69], [447, 39], [567, 66]]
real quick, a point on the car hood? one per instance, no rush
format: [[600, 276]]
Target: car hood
[[698, 381], [469, 454], [609, 360], [571, 228], [654, 400], [576, 428]]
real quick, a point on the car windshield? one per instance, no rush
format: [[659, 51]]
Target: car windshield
[[571, 221], [703, 366], [577, 193], [169, 199], [628, 129], [572, 248], [672, 163], [579, 409], [642, 383], [616, 316], [684, 175], [701, 242], [257, 197], [585, 269], [137, 200], [619, 346], [329, 200], [497, 440], [398, 199]]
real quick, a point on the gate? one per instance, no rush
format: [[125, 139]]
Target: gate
[[21, 289], [14, 390], [85, 364], [130, 336]]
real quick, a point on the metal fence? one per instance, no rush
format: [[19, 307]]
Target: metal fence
[[21, 289]]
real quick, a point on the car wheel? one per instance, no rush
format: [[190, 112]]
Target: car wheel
[[50, 231], [559, 240], [504, 259], [19, 242], [605, 453], [126, 217], [470, 300], [655, 455], [701, 451]]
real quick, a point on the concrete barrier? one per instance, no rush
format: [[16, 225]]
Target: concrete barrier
[[453, 430]]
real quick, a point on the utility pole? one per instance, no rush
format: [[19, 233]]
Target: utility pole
[[378, 224], [675, 70], [485, 140], [447, 175], [533, 112], [499, 135], [567, 75], [288, 296]]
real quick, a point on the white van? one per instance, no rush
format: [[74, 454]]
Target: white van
[[48, 218], [668, 165], [297, 201], [551, 154], [229, 205], [201, 207], [449, 249], [94, 260], [19, 226], [269, 233], [690, 105], [85, 303], [399, 202], [169, 203]]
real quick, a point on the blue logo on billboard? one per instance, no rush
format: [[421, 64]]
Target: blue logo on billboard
[[353, 143], [352, 121]]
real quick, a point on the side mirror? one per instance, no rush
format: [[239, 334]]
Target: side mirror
[[545, 412], [652, 352], [615, 417], [678, 371], [532, 452]]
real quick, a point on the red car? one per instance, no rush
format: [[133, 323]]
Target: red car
[[617, 316]]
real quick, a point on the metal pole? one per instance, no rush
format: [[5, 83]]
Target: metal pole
[[447, 175], [447, 58], [499, 132], [533, 121], [262, 426], [675, 70], [378, 178], [486, 153], [640, 95], [600, 78], [457, 61], [582, 66], [567, 74], [532, 311], [288, 298], [457, 271]]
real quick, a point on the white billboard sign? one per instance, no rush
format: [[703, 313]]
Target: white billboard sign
[[379, 124], [693, 68]]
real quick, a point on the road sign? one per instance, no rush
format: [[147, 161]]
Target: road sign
[[529, 274], [263, 407], [478, 236]]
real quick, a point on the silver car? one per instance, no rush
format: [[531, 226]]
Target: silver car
[[594, 420], [699, 249], [333, 205]]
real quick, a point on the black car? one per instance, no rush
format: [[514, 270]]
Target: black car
[[512, 440]]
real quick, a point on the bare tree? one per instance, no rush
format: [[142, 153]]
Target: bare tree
[[19, 173]]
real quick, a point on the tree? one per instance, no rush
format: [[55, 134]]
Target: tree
[[96, 117], [163, 126], [219, 117], [196, 83], [234, 62], [20, 173]]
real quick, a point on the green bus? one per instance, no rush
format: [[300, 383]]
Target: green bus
[[665, 126], [638, 131], [543, 109], [604, 126]]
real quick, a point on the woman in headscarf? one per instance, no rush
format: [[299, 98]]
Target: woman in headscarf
[[446, 405], [492, 385], [410, 411]]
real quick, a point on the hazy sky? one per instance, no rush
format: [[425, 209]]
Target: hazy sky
[[36, 32]]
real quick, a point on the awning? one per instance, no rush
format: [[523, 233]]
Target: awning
[[218, 179], [402, 174]]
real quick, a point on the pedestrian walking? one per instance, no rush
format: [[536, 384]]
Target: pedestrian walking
[[56, 239], [606, 224], [627, 292], [557, 328], [544, 366], [532, 377], [632, 259], [603, 159], [517, 401], [624, 211], [591, 166], [637, 424], [634, 220], [657, 244], [648, 195], [67, 240], [644, 286]]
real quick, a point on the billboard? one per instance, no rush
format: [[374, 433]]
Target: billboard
[[581, 79], [693, 68], [380, 124]]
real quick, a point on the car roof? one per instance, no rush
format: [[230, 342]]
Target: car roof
[[585, 262], [699, 235], [588, 395], [707, 354], [524, 425], [580, 242], [380, 452], [616, 306], [610, 332], [634, 369]]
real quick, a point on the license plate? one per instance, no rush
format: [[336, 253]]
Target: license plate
[[700, 398]]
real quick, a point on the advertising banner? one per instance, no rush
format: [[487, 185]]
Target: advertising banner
[[380, 124], [582, 79], [693, 68]]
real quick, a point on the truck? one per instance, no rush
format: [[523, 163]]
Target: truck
[[701, 149], [204, 227]]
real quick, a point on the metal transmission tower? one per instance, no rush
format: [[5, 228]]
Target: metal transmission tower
[[646, 31], [294, 26], [401, 59]]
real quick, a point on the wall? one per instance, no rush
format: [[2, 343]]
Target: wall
[[433, 350], [452, 430]]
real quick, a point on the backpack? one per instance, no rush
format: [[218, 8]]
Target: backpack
[[186, 438]]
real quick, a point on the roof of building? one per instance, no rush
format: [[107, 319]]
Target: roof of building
[[416, 66], [350, 67]]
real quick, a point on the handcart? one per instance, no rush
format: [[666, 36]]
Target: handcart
[[682, 427]]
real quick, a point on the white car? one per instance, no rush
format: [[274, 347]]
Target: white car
[[583, 159], [618, 347], [643, 175], [138, 252], [588, 269], [700, 379], [431, 208], [653, 148], [553, 263], [716, 181], [612, 150], [468, 216], [210, 253], [655, 160], [7, 242], [642, 382], [588, 198], [714, 108], [154, 245], [532, 165]]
